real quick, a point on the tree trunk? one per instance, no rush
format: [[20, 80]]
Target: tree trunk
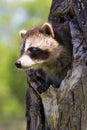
[[64, 108]]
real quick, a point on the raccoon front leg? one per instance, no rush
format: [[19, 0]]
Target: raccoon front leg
[[38, 80]]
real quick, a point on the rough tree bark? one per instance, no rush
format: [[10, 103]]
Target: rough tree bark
[[63, 108]]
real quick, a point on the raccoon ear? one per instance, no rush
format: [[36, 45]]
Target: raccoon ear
[[47, 29], [22, 33]]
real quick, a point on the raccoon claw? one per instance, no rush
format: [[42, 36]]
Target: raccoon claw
[[36, 75], [37, 80], [31, 74]]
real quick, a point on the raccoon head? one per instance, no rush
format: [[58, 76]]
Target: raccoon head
[[38, 47]]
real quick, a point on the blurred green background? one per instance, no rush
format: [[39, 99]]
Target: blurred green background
[[14, 16]]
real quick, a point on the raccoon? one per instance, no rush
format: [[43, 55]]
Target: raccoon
[[47, 47]]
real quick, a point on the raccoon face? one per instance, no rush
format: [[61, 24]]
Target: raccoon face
[[38, 47]]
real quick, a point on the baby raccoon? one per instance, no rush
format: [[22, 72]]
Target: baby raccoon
[[48, 48]]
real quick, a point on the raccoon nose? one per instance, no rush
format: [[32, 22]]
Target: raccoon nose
[[18, 64]]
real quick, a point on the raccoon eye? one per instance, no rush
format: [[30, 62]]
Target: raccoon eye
[[32, 49]]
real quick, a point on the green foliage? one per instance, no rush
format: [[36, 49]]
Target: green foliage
[[13, 86]]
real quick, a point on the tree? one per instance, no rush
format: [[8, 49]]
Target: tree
[[64, 108]]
